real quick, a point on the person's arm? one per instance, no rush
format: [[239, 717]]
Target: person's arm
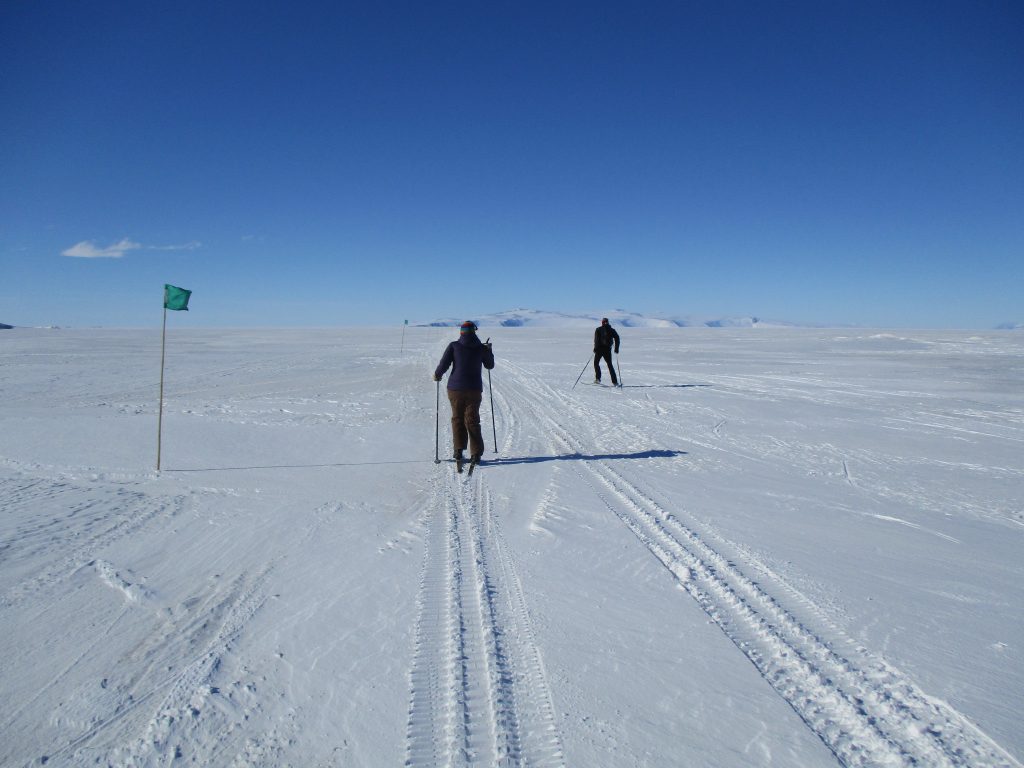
[[597, 337], [445, 364], [615, 335], [488, 356]]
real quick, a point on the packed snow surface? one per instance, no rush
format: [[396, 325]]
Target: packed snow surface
[[783, 547]]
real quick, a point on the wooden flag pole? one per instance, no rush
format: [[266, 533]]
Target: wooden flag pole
[[160, 411], [178, 300]]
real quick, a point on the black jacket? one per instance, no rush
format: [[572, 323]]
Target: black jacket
[[604, 336]]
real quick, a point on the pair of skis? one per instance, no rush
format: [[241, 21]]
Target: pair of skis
[[460, 463]]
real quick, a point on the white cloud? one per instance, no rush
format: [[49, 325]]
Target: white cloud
[[87, 249]]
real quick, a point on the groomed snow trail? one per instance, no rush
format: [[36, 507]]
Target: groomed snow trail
[[863, 709], [478, 691]]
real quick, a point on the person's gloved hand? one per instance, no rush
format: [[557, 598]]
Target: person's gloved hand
[[436, 377]]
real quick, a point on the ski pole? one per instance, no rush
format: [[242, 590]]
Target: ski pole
[[490, 388], [581, 374], [437, 426]]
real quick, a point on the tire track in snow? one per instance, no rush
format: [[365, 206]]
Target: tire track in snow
[[452, 717], [478, 694], [487, 674], [864, 710], [541, 741], [434, 688]]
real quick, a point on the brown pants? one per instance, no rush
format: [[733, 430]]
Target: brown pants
[[466, 420]]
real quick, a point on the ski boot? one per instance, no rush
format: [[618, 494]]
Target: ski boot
[[459, 459]]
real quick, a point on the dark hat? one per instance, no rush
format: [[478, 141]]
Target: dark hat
[[467, 327], [604, 321]]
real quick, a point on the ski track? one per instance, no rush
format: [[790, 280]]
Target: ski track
[[478, 690], [864, 710], [819, 459], [189, 695], [96, 517], [149, 711]]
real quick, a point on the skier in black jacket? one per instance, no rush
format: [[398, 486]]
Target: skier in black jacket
[[604, 337]]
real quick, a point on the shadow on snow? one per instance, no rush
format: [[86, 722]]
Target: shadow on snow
[[585, 457], [486, 462], [301, 466]]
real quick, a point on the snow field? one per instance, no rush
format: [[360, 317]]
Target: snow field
[[771, 547]]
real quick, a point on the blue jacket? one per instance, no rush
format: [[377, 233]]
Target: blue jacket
[[467, 354]]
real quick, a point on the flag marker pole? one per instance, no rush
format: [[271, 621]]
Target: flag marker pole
[[160, 410], [177, 299]]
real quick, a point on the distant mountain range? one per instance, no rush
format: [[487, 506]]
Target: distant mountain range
[[535, 318], [538, 318]]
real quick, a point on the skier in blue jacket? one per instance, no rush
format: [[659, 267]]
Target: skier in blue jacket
[[466, 390]]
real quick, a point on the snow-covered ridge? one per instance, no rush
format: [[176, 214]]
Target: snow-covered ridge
[[535, 318]]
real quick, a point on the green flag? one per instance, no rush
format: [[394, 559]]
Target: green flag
[[176, 298]]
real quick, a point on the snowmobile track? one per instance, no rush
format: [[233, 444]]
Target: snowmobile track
[[864, 710], [478, 694]]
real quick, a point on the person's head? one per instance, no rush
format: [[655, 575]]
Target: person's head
[[467, 327], [604, 321]]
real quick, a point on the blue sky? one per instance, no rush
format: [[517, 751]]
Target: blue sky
[[320, 164]]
